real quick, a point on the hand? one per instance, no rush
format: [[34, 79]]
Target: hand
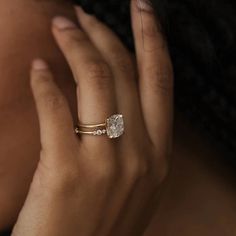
[[92, 185]]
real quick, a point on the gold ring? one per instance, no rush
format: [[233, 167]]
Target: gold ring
[[113, 127]]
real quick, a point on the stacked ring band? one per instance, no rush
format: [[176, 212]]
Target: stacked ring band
[[113, 127]]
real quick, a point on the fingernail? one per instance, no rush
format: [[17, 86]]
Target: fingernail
[[144, 5], [80, 11], [39, 64], [63, 23], [78, 8]]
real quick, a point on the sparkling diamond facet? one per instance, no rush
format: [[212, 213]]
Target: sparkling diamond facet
[[99, 132], [115, 126]]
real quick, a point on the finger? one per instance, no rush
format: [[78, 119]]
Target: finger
[[124, 72], [121, 64], [155, 71], [55, 119], [95, 83]]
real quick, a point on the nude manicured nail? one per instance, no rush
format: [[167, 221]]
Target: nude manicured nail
[[144, 5], [81, 12], [79, 9], [39, 64], [63, 23]]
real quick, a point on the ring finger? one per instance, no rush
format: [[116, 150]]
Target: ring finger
[[95, 84], [123, 67]]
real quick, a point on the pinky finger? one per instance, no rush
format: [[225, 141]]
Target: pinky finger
[[55, 119], [155, 73]]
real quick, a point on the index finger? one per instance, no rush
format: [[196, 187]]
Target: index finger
[[55, 119]]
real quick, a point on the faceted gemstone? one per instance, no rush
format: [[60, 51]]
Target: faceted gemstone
[[99, 132], [115, 126]]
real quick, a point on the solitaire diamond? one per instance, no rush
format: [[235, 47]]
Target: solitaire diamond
[[115, 126]]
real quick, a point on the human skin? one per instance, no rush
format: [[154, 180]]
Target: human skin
[[26, 34], [18, 116], [90, 185], [199, 196]]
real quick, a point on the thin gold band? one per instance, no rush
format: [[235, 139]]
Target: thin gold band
[[94, 132], [84, 132], [91, 126]]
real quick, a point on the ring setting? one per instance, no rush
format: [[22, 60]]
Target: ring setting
[[113, 127]]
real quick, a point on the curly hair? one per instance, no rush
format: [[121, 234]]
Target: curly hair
[[201, 36]]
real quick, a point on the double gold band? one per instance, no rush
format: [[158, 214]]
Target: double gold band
[[96, 129], [113, 127]]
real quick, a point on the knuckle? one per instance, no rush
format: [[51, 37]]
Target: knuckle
[[150, 30], [123, 62], [48, 94], [98, 69], [73, 38], [136, 169], [103, 172], [41, 78], [160, 79], [98, 74], [53, 101]]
